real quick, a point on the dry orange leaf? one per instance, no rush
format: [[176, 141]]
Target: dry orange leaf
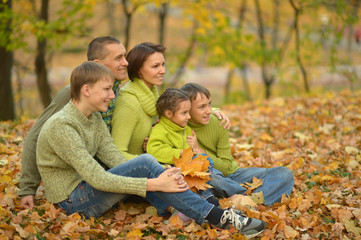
[[194, 170]]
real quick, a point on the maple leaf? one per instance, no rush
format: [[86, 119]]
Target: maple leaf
[[253, 185], [194, 170]]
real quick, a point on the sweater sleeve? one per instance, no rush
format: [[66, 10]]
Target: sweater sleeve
[[222, 157], [107, 151], [124, 121], [160, 147], [66, 143], [30, 176]]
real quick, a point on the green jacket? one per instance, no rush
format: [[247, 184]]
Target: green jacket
[[133, 117], [214, 139], [167, 139], [65, 154]]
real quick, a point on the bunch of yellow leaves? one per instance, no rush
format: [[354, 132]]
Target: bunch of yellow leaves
[[194, 170]]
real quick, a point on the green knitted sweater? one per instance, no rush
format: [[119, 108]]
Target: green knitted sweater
[[167, 139], [214, 139], [66, 146], [133, 117]]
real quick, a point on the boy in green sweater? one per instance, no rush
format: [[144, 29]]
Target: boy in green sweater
[[214, 141]]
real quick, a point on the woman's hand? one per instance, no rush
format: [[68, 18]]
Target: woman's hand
[[169, 181], [225, 120]]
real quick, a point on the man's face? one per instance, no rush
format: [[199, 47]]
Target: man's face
[[115, 60], [201, 109]]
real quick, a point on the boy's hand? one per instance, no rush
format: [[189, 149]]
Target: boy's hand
[[27, 202], [225, 120]]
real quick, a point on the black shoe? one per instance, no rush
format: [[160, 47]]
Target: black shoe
[[249, 227]]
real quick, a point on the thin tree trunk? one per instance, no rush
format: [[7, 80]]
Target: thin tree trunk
[[227, 88], [7, 110], [111, 18], [40, 65], [163, 12], [128, 22], [267, 79], [187, 56], [297, 46]]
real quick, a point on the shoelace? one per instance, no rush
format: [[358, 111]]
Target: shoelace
[[234, 219]]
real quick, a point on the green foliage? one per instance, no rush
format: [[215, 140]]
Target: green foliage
[[68, 22]]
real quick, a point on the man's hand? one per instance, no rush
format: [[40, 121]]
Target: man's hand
[[225, 120], [169, 181], [27, 202]]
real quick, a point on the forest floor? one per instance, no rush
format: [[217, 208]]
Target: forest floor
[[317, 137]]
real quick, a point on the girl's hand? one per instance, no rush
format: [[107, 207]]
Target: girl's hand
[[169, 181], [193, 143]]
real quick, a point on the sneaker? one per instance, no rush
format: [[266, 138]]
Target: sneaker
[[249, 227]]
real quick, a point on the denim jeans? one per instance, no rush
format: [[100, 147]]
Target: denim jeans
[[276, 181], [91, 202]]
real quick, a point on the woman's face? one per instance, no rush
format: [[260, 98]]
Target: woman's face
[[153, 70]]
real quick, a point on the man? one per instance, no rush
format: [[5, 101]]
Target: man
[[108, 51], [227, 175]]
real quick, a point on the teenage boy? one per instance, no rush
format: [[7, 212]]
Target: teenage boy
[[214, 141], [106, 50]]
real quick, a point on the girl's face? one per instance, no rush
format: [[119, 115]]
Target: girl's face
[[153, 70], [181, 116]]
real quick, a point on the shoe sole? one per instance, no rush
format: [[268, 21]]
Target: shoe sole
[[253, 235]]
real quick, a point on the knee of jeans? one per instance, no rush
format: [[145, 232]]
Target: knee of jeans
[[149, 158]]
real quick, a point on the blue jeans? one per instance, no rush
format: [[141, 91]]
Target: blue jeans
[[91, 202], [276, 181]]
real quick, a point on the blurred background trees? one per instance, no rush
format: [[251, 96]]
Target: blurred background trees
[[242, 50]]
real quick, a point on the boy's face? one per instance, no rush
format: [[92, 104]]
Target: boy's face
[[201, 109], [100, 94]]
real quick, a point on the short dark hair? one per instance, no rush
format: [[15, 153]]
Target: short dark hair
[[96, 48], [193, 89], [87, 73], [170, 100], [139, 54]]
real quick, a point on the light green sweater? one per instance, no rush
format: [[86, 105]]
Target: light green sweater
[[133, 117], [66, 146], [214, 139], [166, 140]]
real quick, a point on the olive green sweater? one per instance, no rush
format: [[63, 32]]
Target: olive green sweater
[[66, 146], [167, 139], [214, 139], [133, 117]]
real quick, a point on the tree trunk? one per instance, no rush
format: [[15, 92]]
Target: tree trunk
[[111, 18], [7, 110], [163, 12], [297, 46], [266, 77], [227, 88], [128, 21], [40, 65], [187, 56]]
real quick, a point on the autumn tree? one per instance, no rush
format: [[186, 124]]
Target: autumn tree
[[7, 111]]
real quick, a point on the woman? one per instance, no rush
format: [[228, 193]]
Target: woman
[[135, 112], [76, 182]]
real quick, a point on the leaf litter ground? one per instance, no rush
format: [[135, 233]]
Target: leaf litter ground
[[317, 137]]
